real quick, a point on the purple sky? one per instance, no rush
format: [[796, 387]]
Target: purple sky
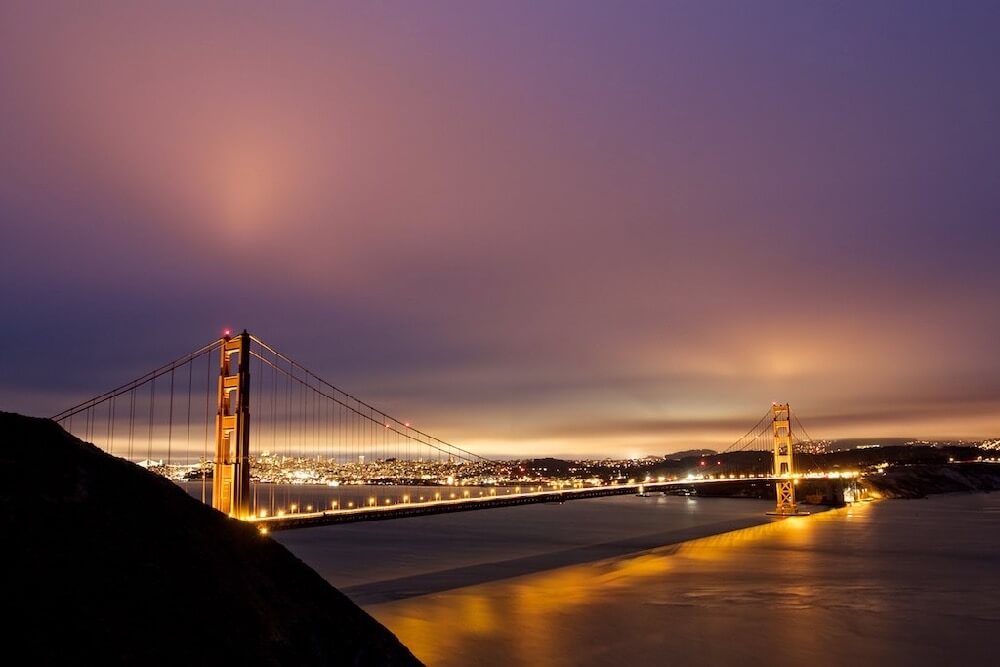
[[530, 228]]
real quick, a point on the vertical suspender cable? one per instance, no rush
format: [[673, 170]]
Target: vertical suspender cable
[[170, 422], [274, 429], [111, 435], [131, 423], [152, 405], [208, 412], [187, 436]]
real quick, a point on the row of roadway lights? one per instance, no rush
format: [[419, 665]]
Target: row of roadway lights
[[373, 500], [405, 500]]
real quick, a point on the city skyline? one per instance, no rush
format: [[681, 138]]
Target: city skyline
[[626, 236]]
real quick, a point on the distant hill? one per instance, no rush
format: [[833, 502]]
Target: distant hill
[[106, 563], [548, 465], [677, 456], [855, 443]]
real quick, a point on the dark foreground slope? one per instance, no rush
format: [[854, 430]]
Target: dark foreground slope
[[105, 563]]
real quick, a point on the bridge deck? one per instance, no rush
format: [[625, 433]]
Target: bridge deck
[[381, 513]]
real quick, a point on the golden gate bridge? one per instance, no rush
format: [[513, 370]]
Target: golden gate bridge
[[191, 420]]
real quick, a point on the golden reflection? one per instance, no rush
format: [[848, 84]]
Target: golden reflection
[[419, 630], [477, 614], [564, 605]]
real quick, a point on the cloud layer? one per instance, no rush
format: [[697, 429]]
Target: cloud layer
[[567, 228]]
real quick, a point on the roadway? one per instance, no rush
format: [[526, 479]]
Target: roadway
[[400, 510]]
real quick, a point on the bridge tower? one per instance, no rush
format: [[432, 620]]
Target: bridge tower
[[231, 470], [783, 467]]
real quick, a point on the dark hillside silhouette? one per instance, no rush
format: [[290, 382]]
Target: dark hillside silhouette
[[106, 563]]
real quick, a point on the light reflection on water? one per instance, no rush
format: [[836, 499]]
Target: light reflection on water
[[890, 583], [380, 561]]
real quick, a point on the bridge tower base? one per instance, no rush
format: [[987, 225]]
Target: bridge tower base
[[231, 469]]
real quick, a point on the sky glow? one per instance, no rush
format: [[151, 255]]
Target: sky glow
[[534, 228]]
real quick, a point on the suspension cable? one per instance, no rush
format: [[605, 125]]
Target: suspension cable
[[370, 417], [128, 386], [735, 447], [293, 363]]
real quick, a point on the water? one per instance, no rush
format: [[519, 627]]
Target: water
[[586, 583], [379, 561]]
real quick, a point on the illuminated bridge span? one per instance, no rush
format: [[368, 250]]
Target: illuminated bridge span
[[190, 420]]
